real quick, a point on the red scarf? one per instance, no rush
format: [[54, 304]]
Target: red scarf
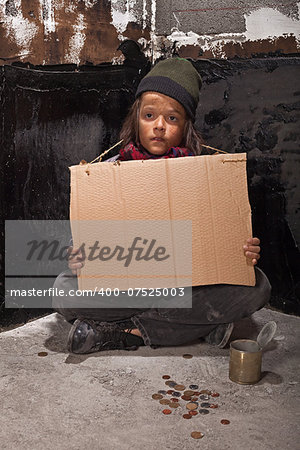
[[132, 151]]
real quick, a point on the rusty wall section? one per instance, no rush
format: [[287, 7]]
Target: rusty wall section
[[63, 31], [49, 32]]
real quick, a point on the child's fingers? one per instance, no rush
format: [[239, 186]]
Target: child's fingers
[[75, 260], [76, 265], [253, 241], [74, 270], [252, 255], [252, 248], [75, 254], [71, 252]]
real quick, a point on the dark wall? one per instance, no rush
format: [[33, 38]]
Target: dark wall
[[253, 106], [53, 117]]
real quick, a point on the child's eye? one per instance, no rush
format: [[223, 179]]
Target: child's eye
[[173, 118], [148, 115]]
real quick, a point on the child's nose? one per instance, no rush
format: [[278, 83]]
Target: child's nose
[[160, 123]]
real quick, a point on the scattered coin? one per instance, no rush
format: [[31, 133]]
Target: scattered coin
[[187, 356], [157, 396], [187, 398], [170, 383], [205, 405], [176, 394], [42, 354], [188, 393], [164, 401], [197, 434], [225, 422], [192, 405], [179, 387], [215, 394]]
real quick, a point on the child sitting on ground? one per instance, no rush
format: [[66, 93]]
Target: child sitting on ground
[[160, 125]]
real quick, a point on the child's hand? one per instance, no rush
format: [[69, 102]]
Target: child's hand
[[252, 249], [76, 260]]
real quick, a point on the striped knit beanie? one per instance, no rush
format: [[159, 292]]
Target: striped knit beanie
[[176, 78]]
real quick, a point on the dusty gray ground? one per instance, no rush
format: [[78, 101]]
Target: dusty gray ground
[[103, 400]]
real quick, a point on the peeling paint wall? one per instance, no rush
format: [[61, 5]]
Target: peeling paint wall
[[228, 31], [259, 30], [66, 31]]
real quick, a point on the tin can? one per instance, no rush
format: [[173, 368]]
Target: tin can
[[245, 361]]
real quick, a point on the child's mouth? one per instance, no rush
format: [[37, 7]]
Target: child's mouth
[[157, 139]]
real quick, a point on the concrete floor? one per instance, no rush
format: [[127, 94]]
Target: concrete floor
[[103, 400]]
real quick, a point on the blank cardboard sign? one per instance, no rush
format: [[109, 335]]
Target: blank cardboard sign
[[194, 211]]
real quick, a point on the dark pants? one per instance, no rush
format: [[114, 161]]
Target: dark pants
[[212, 305]]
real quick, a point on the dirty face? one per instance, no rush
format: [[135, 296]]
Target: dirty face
[[161, 122]]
